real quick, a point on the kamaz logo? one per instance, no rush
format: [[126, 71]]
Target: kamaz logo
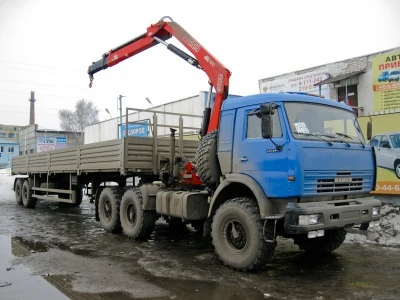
[[191, 43], [219, 82], [343, 179]]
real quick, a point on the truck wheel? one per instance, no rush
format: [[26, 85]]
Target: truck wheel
[[237, 233], [207, 161], [108, 208], [27, 200], [136, 222], [397, 168], [321, 245], [18, 191]]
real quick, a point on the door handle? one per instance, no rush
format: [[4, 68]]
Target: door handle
[[243, 158]]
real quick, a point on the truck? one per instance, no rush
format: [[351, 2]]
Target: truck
[[288, 165]]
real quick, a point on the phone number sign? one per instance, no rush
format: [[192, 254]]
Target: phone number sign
[[297, 83]]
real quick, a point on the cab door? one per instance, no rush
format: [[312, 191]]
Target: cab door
[[265, 160]]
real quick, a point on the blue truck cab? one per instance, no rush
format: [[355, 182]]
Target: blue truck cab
[[384, 76], [307, 169]]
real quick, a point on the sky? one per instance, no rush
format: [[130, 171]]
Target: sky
[[47, 46]]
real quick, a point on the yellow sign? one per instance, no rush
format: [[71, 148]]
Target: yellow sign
[[386, 81], [386, 143]]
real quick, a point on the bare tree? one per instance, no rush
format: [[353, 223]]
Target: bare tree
[[85, 113]]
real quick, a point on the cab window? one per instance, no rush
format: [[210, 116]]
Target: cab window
[[254, 126]]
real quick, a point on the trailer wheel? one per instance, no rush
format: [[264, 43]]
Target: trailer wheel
[[27, 200], [321, 245], [136, 222], [237, 233], [207, 161], [108, 209], [18, 191]]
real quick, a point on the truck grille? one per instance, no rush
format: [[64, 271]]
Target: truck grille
[[336, 182]]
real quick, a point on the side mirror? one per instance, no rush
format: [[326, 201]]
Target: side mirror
[[369, 130], [267, 109], [267, 126]]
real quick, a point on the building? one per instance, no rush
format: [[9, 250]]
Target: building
[[191, 109], [10, 132], [370, 84], [8, 149], [32, 139]]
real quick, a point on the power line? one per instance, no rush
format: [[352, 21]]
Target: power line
[[53, 95], [36, 107], [35, 65], [47, 72], [45, 84], [27, 112], [53, 85], [30, 38]]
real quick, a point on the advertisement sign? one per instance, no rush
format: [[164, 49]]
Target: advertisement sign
[[50, 143], [140, 128], [298, 83], [386, 81], [386, 142]]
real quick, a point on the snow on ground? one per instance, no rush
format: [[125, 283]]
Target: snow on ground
[[384, 232], [6, 185]]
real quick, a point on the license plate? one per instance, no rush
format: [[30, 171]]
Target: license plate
[[343, 179]]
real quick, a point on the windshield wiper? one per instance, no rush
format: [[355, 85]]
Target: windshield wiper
[[315, 135], [350, 137]]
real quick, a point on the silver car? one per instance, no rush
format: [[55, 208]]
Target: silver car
[[387, 149]]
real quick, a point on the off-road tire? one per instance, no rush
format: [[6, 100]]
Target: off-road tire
[[207, 163], [249, 250], [136, 223], [18, 191], [108, 209], [27, 200], [321, 245]]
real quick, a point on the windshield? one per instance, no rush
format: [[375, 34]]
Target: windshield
[[395, 138], [310, 121]]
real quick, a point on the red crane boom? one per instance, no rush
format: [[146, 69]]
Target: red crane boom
[[157, 33]]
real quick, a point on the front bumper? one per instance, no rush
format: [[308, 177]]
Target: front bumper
[[333, 214]]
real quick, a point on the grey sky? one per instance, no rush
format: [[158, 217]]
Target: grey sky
[[46, 47]]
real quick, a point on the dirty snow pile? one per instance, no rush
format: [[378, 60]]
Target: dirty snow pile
[[386, 231]]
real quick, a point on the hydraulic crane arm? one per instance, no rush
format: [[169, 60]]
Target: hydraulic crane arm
[[160, 32]]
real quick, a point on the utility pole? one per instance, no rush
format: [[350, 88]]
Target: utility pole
[[120, 109]]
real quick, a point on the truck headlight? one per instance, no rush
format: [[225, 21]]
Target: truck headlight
[[309, 219], [376, 210]]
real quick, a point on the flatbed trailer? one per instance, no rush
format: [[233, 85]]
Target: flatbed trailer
[[61, 174]]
